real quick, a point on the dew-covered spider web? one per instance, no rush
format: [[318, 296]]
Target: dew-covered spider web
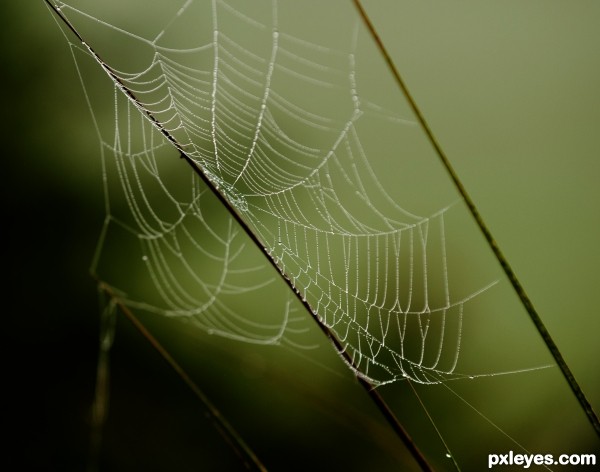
[[291, 126], [296, 171]]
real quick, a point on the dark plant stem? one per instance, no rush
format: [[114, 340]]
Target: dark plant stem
[[225, 429], [101, 395], [369, 388], [521, 293]]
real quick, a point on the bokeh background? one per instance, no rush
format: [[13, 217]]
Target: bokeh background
[[511, 92]]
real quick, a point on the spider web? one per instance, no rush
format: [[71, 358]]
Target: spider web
[[274, 122], [288, 126]]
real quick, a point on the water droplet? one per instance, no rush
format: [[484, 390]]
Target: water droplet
[[448, 455], [144, 258]]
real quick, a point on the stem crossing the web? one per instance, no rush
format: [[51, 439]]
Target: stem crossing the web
[[369, 388]]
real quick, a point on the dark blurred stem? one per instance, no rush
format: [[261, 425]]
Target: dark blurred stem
[[525, 301], [374, 394], [101, 397], [225, 429]]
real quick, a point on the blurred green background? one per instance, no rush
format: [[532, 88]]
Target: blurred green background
[[511, 91]]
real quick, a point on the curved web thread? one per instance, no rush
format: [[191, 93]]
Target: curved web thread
[[298, 172]]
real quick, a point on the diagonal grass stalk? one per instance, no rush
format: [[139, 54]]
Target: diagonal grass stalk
[[375, 396], [225, 429], [510, 274]]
